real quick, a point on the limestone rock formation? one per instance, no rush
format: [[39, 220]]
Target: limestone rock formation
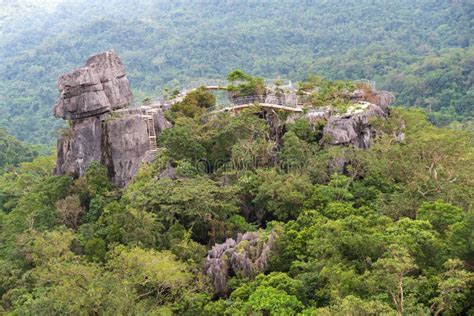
[[353, 128], [95, 98], [247, 255], [126, 140], [80, 145], [161, 123], [96, 88]]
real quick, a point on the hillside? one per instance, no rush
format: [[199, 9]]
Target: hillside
[[13, 152], [253, 209], [421, 51]]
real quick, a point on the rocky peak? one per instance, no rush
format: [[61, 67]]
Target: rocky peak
[[354, 126], [95, 99], [98, 87]]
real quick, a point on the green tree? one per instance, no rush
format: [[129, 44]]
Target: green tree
[[353, 305], [95, 249], [282, 195], [70, 211], [73, 288], [151, 273], [295, 152], [453, 287], [182, 141], [13, 152], [440, 215], [194, 104], [390, 274], [198, 203], [271, 301], [246, 84], [460, 238]]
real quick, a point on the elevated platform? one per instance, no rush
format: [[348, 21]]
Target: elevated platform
[[264, 105]]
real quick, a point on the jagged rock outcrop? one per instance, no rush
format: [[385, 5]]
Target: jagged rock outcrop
[[126, 140], [79, 145], [247, 256], [96, 88], [161, 123], [95, 98], [354, 127]]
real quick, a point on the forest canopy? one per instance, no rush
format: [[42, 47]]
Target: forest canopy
[[421, 51], [390, 233]]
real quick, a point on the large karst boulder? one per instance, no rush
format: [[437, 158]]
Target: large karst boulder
[[96, 88], [127, 144], [94, 99]]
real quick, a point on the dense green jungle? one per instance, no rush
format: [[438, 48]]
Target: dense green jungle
[[252, 212]]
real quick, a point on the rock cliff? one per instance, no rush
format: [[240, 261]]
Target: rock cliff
[[95, 99], [352, 127]]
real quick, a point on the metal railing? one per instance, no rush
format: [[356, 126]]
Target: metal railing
[[282, 101], [288, 100], [220, 83], [204, 83], [368, 82], [283, 83]]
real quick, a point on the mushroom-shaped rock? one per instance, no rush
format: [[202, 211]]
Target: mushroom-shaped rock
[[103, 129]]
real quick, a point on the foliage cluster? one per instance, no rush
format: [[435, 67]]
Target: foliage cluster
[[390, 233]]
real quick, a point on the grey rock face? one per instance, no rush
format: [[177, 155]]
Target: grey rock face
[[122, 144], [94, 98], [352, 129], [247, 255], [98, 87], [169, 173], [79, 146], [161, 123], [111, 73], [322, 113], [383, 99], [127, 143]]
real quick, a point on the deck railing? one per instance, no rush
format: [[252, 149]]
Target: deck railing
[[368, 82], [288, 101]]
